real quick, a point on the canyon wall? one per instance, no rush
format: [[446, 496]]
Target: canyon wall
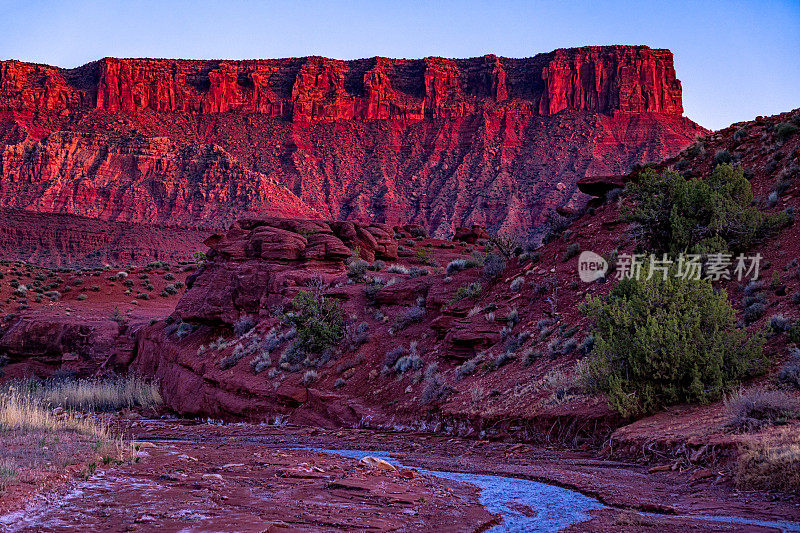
[[442, 142]]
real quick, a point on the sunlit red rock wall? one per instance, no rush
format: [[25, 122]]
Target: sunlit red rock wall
[[443, 142]]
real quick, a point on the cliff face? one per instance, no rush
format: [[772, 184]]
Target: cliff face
[[444, 142], [68, 240], [147, 179], [597, 79]]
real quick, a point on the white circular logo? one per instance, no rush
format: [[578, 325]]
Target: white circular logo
[[591, 266]]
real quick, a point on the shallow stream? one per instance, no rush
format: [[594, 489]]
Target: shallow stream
[[526, 505]]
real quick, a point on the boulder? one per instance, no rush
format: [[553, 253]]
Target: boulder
[[268, 242], [471, 235], [469, 335]]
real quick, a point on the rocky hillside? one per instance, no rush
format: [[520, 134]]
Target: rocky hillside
[[437, 334], [441, 142], [57, 240]]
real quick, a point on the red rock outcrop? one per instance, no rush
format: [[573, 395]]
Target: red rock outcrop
[[442, 142], [44, 344], [259, 263]]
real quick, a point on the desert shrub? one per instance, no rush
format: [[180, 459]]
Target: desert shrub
[[502, 359], [435, 390], [417, 231], [142, 296], [412, 361], [81, 297], [513, 317], [219, 344], [373, 288], [310, 377], [356, 270], [377, 266], [493, 266], [659, 342], [273, 340], [784, 130], [531, 355], [472, 290], [425, 257], [243, 325], [239, 352], [793, 333], [347, 365], [457, 265], [789, 374], [572, 250], [722, 157], [754, 409], [543, 323], [319, 321], [341, 382], [586, 345], [554, 348], [397, 269], [411, 315], [754, 311], [779, 323], [470, 366], [781, 186], [184, 329], [392, 356], [292, 357], [356, 335], [556, 224], [515, 342], [416, 272], [508, 245], [170, 290], [568, 346], [699, 215], [517, 283], [753, 288]]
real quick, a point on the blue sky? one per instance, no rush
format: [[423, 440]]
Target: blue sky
[[736, 59]]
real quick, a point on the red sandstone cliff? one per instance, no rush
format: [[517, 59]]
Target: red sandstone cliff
[[445, 142]]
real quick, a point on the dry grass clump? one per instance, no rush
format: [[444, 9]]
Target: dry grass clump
[[98, 395], [8, 471], [39, 412], [754, 409], [771, 464], [24, 412]]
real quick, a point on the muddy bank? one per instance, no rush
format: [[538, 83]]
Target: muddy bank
[[227, 486], [234, 476]]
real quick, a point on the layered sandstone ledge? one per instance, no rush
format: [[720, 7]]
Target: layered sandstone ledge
[[599, 79]]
